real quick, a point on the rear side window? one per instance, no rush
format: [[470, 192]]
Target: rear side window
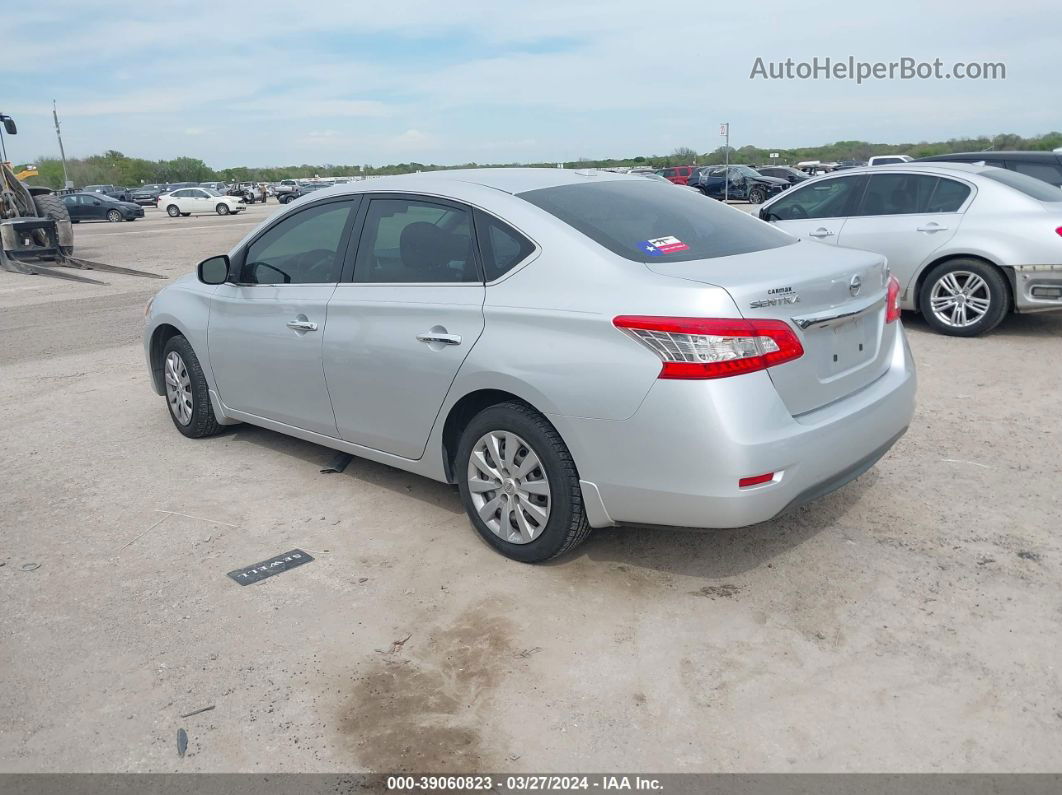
[[648, 221], [947, 197], [407, 241], [1048, 172], [501, 246], [896, 194], [1030, 186]]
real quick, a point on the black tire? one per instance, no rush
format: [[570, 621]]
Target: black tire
[[202, 422], [567, 525], [185, 215], [757, 196], [222, 208], [995, 290], [173, 211], [114, 216], [51, 206]]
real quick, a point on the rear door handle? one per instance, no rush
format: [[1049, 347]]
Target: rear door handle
[[821, 232], [302, 325], [931, 228], [445, 339]]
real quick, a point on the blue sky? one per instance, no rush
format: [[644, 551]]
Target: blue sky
[[268, 83]]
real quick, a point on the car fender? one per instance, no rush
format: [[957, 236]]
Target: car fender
[[184, 305], [979, 246]]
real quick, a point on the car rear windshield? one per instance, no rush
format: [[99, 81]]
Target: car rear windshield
[[647, 221], [1030, 186]]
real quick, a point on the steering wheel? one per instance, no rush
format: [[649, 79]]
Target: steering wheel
[[799, 213], [316, 265]]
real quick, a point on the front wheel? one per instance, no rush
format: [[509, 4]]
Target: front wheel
[[964, 298], [757, 196], [187, 394], [173, 211], [222, 208], [519, 484], [114, 216]]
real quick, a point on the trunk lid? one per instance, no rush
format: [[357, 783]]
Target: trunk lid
[[833, 298]]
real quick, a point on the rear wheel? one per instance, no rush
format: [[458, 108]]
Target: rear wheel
[[187, 395], [222, 208], [964, 298], [173, 211], [519, 484]]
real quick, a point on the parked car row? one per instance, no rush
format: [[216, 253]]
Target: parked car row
[[968, 242]]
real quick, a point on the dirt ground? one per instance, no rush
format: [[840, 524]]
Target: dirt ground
[[908, 622]]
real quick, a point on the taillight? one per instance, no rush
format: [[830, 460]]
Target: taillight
[[1059, 230], [892, 300], [700, 348]]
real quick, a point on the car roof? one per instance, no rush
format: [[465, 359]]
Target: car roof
[[1013, 154], [507, 180], [929, 168]]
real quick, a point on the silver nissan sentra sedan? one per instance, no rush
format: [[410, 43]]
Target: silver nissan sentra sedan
[[574, 350]]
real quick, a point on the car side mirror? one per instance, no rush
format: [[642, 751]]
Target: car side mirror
[[97, 202], [214, 270]]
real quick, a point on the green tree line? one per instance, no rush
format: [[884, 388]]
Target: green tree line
[[115, 168]]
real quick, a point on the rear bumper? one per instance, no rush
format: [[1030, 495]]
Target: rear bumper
[[678, 460], [1037, 288]]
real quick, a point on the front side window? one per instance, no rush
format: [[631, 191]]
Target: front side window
[[407, 241], [829, 198], [896, 194], [302, 248], [501, 246], [650, 222]]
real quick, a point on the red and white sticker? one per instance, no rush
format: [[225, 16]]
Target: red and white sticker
[[668, 245]]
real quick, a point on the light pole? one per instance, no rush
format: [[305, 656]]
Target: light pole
[[66, 178], [724, 130]]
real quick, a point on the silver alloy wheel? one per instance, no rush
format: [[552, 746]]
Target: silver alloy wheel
[[960, 299], [114, 216], [178, 388], [509, 487]]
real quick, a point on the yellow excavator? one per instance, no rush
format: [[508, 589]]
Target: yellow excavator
[[36, 236]]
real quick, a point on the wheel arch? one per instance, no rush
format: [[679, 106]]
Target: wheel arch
[[162, 334], [920, 279], [467, 407]]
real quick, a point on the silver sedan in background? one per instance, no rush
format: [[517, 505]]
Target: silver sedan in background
[[572, 349], [968, 242]]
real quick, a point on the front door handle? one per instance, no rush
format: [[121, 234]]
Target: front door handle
[[302, 325], [931, 228], [445, 339], [821, 232]]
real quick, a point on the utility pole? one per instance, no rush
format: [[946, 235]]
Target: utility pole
[[724, 130], [66, 177]]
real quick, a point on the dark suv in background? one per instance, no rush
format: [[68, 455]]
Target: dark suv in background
[[745, 183], [1046, 166], [114, 191], [788, 173]]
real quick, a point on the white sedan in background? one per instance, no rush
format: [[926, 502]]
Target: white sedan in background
[[199, 201], [968, 242]]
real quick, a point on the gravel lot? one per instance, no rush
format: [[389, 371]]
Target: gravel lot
[[908, 622]]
